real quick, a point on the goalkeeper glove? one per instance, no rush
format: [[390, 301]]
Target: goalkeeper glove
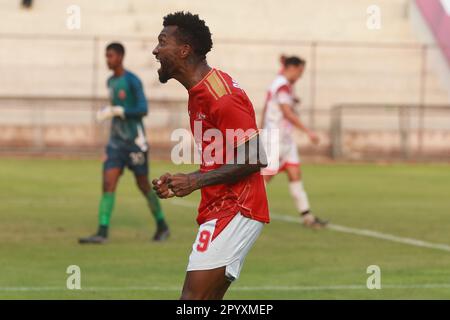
[[109, 112]]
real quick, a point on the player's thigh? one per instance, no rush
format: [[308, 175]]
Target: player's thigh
[[220, 249], [113, 165], [142, 182], [111, 178], [293, 172], [205, 284]]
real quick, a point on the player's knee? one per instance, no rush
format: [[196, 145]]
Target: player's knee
[[188, 295], [109, 186], [144, 186], [185, 296], [294, 175], [195, 292]]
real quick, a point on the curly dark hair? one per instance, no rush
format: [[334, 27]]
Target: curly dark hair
[[191, 30]]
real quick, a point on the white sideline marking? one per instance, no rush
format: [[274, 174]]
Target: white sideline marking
[[356, 231], [372, 234], [237, 288]]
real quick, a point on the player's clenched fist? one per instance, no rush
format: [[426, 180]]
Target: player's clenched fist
[[161, 187], [183, 184]]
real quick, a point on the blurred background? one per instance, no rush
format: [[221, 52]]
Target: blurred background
[[376, 87]]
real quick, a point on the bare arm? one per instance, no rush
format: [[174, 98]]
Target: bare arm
[[253, 156], [232, 173], [289, 114]]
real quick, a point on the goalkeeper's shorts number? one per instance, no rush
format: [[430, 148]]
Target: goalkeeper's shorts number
[[137, 158]]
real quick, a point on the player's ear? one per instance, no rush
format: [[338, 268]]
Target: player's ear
[[185, 51]]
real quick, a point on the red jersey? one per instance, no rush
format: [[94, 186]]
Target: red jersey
[[218, 105]]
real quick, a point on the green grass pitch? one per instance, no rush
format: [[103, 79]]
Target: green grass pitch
[[45, 205]]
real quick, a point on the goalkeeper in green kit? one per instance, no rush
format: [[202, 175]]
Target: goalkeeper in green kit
[[127, 146]]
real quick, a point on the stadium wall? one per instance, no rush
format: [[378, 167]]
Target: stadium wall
[[347, 61]]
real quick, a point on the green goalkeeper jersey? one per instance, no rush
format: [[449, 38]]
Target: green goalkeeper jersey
[[126, 91]]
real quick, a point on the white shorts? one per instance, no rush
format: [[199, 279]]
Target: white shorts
[[288, 156], [229, 248]]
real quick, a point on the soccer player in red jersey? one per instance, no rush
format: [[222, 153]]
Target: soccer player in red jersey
[[233, 207]]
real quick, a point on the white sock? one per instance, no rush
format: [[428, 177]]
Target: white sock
[[300, 197]]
